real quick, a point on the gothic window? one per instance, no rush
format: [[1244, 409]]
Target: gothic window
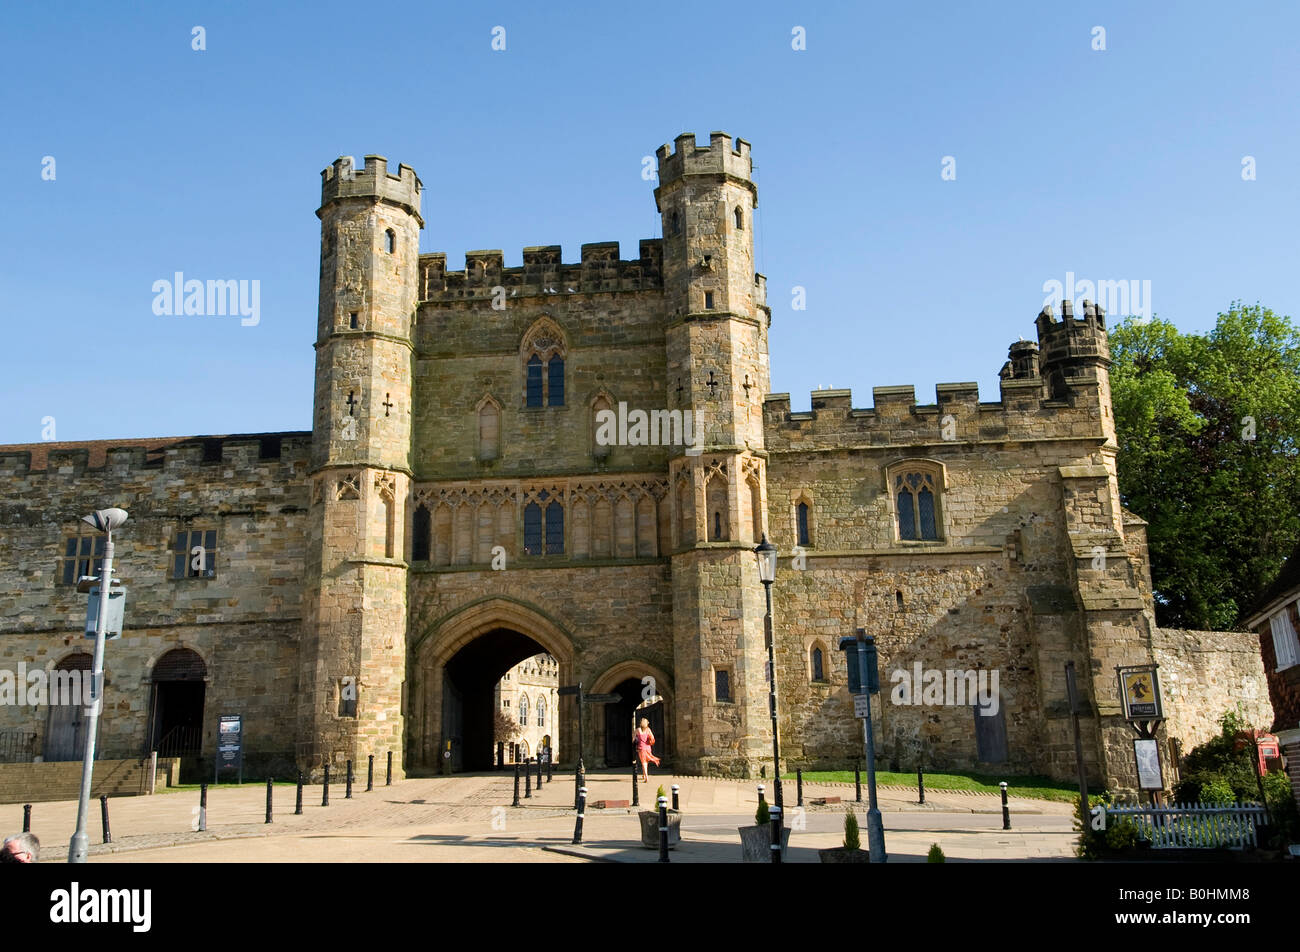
[[916, 489], [532, 529], [421, 531], [685, 513], [801, 519], [542, 352], [716, 498], [555, 529], [534, 382], [489, 429], [541, 711], [555, 381], [390, 241], [817, 663], [523, 709], [740, 219]]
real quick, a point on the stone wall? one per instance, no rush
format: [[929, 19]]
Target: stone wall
[[1203, 675]]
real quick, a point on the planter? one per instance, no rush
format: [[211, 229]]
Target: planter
[[650, 828], [756, 843], [842, 854]]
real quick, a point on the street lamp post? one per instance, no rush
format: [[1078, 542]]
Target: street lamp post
[[766, 553], [105, 521]]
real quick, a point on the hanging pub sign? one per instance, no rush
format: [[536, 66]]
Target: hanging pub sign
[[1140, 691]]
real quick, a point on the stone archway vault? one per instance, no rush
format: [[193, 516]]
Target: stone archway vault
[[444, 639]]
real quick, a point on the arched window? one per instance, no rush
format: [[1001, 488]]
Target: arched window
[[390, 241], [523, 709], [534, 382], [715, 495], [541, 711], [532, 529], [817, 661], [740, 219], [801, 518], [917, 489], [421, 532], [555, 529], [555, 381]]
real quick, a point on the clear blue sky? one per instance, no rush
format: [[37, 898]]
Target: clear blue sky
[[1122, 164]]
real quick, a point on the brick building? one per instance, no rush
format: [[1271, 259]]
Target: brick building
[[577, 459], [1276, 619]]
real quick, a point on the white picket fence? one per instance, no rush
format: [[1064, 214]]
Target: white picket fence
[[1194, 825]]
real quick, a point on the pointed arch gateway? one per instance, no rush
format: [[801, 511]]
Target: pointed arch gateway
[[653, 700], [455, 665]]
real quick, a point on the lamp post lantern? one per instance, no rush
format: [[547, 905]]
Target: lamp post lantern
[[105, 521], [766, 553]]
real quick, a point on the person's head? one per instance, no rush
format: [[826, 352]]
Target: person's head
[[23, 848], [645, 724]]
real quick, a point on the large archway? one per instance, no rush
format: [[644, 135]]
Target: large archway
[[455, 666]]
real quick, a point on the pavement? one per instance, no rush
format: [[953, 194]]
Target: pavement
[[469, 818]]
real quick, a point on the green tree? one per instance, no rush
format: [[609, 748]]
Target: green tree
[[1208, 455]]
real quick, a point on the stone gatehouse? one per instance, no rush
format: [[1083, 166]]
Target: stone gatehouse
[[577, 460]]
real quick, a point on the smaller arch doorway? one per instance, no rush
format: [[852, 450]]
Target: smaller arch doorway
[[65, 731], [176, 704], [622, 718]]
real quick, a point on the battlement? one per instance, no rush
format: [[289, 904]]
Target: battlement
[[1072, 339], [373, 180], [543, 272], [718, 158], [124, 458], [956, 417]]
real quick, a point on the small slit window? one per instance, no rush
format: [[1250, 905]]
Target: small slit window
[[708, 300], [390, 241], [740, 219]]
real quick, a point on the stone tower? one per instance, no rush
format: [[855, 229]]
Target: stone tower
[[353, 648], [717, 367]]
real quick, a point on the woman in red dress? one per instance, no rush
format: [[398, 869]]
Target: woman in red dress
[[645, 739]]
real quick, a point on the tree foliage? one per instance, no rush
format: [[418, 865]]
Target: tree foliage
[[1207, 429], [505, 728]]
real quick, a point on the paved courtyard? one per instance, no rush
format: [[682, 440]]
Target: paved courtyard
[[469, 818]]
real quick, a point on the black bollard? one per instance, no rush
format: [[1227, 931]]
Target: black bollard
[[325, 795], [27, 817], [370, 772], [798, 779], [663, 829], [297, 806], [203, 808], [550, 767], [582, 809], [516, 803], [389, 781], [676, 790], [103, 815], [1006, 810], [501, 755], [776, 832], [539, 773], [857, 779], [582, 783], [268, 800], [528, 779], [761, 790], [636, 788], [920, 783], [347, 792]]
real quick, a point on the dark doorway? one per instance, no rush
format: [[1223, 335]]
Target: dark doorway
[[469, 701], [179, 690], [621, 720], [65, 732]]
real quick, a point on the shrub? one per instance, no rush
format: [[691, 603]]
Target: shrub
[[1092, 843], [659, 793], [851, 839], [761, 816], [935, 855], [1217, 790]]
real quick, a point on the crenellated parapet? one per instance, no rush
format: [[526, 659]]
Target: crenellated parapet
[[718, 159], [281, 454], [543, 273], [1072, 347], [373, 180]]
